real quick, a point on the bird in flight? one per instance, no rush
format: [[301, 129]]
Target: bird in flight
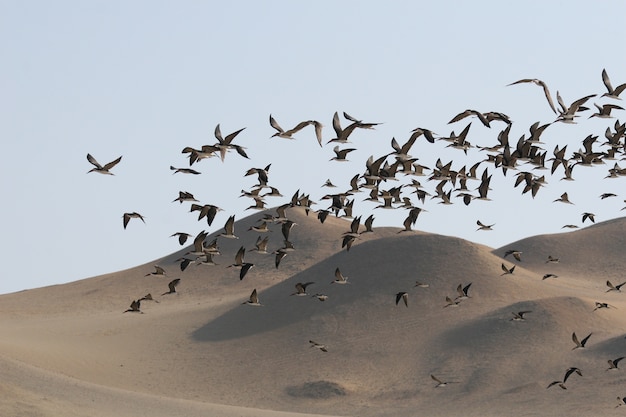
[[158, 271], [519, 316], [404, 296], [541, 84], [253, 300], [134, 307], [301, 288], [580, 344], [569, 371], [614, 287], [172, 286], [134, 215], [319, 346], [102, 169]]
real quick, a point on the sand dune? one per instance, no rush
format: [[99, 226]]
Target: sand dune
[[69, 349]]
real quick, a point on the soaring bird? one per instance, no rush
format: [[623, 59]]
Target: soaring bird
[[148, 297], [568, 372], [288, 133], [134, 307], [208, 210], [339, 278], [253, 300], [100, 168], [482, 226], [580, 344], [172, 286], [600, 305], [589, 216], [451, 303], [543, 85], [462, 291], [567, 114], [134, 215], [439, 382], [184, 170], [301, 288], [516, 254], [229, 228], [184, 196], [611, 92], [225, 143], [563, 199], [614, 287], [519, 316], [319, 346], [158, 271], [340, 154], [182, 237], [404, 296], [507, 271]]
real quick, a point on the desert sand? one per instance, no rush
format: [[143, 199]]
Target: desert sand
[[69, 350]]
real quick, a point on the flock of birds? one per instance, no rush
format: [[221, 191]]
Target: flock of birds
[[391, 182]]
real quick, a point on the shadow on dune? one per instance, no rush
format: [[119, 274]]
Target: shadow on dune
[[376, 270]]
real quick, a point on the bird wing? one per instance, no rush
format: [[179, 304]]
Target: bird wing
[[275, 125], [93, 161], [253, 297], [112, 164], [607, 81]]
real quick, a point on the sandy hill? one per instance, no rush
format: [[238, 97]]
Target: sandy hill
[[69, 349]]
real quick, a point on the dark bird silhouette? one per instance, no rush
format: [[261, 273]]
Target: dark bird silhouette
[[158, 271], [319, 346], [519, 316], [543, 85], [172, 286], [134, 215], [148, 297], [134, 307], [184, 170], [404, 296], [568, 372], [516, 254], [589, 216], [244, 269], [507, 271], [482, 226], [301, 288], [182, 237], [102, 169], [208, 210]]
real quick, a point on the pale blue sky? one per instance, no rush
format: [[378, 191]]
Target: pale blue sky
[[144, 79]]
